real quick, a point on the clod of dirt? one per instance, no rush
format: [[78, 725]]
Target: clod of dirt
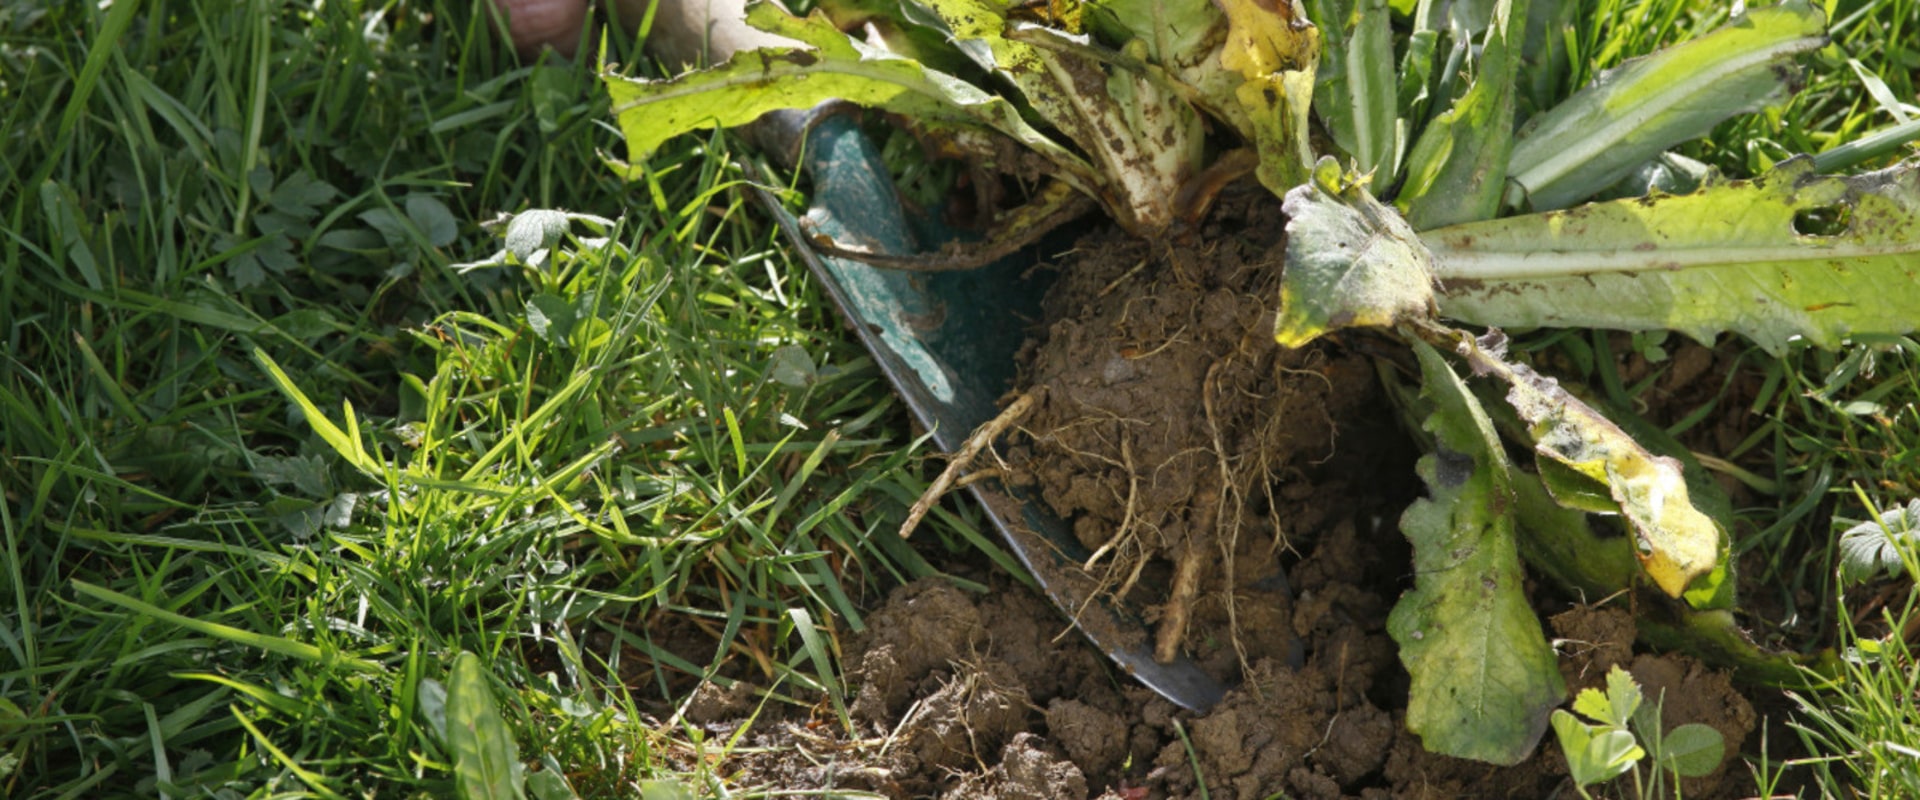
[[1355, 746], [1095, 739], [712, 704], [966, 720], [1592, 641], [1250, 742], [1689, 692], [1026, 772]]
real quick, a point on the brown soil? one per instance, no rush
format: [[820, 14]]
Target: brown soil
[[1188, 451]]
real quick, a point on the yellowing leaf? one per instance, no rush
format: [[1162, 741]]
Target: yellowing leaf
[[1277, 109], [1273, 46], [1267, 36], [1675, 541]]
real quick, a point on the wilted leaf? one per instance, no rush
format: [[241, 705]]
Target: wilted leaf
[[1266, 38], [1676, 542], [1177, 33], [1484, 678], [1277, 109], [1731, 257], [1632, 113], [1140, 133], [1275, 48], [1351, 261], [831, 66]]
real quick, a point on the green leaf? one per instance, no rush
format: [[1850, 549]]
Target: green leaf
[[1594, 755], [1457, 171], [792, 366], [433, 707], [1351, 261], [247, 638], [308, 474], [1623, 697], [486, 762], [1874, 547], [301, 195], [1484, 678], [392, 228], [433, 218], [665, 789], [1731, 257], [1647, 105], [552, 317], [1372, 92], [345, 441], [754, 82], [534, 230], [1692, 750]]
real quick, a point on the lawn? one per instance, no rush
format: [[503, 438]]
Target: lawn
[[361, 434]]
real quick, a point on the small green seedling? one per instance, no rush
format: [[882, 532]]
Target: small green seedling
[[1608, 747], [1880, 545]]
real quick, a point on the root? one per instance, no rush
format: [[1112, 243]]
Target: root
[[1179, 609], [1231, 495], [1056, 204], [1126, 521], [981, 437]]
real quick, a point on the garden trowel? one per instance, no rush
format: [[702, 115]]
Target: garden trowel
[[945, 340]]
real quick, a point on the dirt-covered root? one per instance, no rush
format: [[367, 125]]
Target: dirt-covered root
[[1192, 455]]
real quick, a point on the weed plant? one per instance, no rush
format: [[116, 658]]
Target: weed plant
[[283, 436]]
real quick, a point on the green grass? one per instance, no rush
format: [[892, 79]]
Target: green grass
[[283, 436]]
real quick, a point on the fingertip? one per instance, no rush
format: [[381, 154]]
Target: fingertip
[[535, 25]]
